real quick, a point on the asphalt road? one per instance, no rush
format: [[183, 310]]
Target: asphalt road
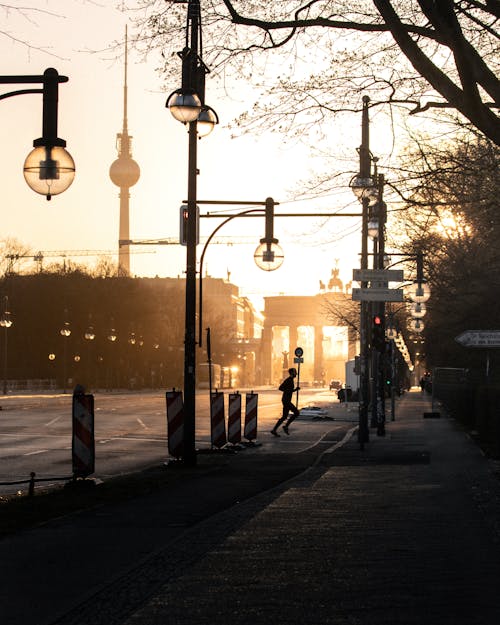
[[130, 432]]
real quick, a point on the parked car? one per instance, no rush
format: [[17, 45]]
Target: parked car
[[335, 385]]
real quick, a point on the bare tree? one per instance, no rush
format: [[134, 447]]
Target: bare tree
[[12, 254], [420, 54], [454, 221]]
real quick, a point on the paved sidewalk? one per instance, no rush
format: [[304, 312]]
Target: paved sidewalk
[[406, 532]]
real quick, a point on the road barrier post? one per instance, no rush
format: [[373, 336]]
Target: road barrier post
[[83, 442], [250, 431], [175, 423], [217, 420], [234, 419]]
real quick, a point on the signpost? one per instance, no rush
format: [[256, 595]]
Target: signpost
[[378, 275], [479, 338], [299, 353], [372, 294]]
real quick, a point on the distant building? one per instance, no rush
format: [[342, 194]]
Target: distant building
[[301, 321]]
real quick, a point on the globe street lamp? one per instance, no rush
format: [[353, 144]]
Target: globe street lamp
[[89, 337], [366, 191], [65, 332], [49, 169], [187, 105], [5, 322], [112, 336]]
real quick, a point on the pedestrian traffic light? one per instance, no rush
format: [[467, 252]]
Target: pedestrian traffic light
[[378, 333], [183, 224]]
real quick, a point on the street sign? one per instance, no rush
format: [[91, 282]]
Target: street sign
[[377, 295], [298, 360], [378, 275], [479, 338], [299, 352]]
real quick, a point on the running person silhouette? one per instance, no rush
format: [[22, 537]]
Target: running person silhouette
[[288, 388]]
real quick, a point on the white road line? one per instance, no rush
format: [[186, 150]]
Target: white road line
[[34, 453], [141, 423], [53, 421]]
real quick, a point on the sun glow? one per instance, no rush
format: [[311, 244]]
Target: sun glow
[[452, 226]]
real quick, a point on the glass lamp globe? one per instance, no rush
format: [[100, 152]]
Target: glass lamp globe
[[90, 334], [206, 121], [112, 336], [416, 325], [373, 229], [419, 292], [65, 330], [363, 187], [418, 310], [6, 320], [185, 107], [391, 333], [268, 256], [49, 170]]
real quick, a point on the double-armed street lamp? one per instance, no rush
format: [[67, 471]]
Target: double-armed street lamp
[[49, 169], [187, 105]]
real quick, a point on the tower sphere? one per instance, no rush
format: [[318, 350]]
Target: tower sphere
[[124, 172]]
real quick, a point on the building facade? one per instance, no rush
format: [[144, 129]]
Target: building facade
[[304, 321]]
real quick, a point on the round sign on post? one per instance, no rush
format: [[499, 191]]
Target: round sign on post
[[299, 352]]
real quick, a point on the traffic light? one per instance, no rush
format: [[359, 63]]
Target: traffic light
[[183, 221], [378, 333]]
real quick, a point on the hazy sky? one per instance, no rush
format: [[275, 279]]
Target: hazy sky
[[90, 114]]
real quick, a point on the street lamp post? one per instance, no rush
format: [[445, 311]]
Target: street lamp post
[[65, 332], [89, 337], [366, 191], [111, 337], [5, 322], [49, 169], [187, 105]]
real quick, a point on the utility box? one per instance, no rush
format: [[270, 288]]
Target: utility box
[[352, 375]]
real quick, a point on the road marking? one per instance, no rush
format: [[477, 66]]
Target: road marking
[[34, 453], [53, 421], [141, 423]]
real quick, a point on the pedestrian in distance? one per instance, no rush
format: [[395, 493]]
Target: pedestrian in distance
[[288, 388]]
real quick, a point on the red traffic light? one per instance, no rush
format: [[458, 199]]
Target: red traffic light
[[377, 320]]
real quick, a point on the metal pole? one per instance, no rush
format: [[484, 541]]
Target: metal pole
[[190, 325], [5, 364], [393, 381], [364, 171], [189, 73], [375, 310], [380, 395]]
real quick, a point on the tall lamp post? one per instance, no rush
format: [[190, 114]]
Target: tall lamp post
[[65, 332], [111, 337], [187, 105], [89, 337], [366, 191], [5, 322]]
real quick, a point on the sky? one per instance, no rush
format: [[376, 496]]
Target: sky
[[85, 217]]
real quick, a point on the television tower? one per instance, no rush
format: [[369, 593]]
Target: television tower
[[124, 173]]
